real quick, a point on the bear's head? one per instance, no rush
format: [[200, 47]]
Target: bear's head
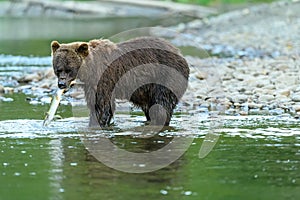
[[67, 60]]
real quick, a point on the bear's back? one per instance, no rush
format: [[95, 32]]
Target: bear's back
[[144, 50], [147, 43]]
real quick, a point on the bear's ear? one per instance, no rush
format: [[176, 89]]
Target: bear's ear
[[54, 46], [83, 49]]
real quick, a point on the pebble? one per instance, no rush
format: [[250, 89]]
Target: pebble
[[284, 92], [240, 76], [254, 111], [296, 108], [4, 99], [45, 85], [277, 111], [164, 192], [255, 106], [266, 98], [282, 99], [240, 98], [32, 77], [9, 90], [201, 75], [46, 100], [188, 193], [34, 102], [262, 83], [77, 95], [243, 113], [296, 97], [49, 74]]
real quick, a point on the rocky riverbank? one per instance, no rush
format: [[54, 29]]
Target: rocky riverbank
[[255, 54], [253, 67]]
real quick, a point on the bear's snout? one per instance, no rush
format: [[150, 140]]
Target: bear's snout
[[62, 84]]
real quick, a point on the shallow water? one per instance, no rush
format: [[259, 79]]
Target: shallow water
[[52, 163]]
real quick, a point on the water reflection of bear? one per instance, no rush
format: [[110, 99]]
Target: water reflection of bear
[[140, 144], [99, 181]]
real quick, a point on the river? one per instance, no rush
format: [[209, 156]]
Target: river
[[242, 157]]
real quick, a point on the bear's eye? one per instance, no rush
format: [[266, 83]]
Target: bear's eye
[[68, 71], [58, 71]]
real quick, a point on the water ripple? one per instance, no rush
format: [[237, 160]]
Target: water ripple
[[255, 127], [10, 60]]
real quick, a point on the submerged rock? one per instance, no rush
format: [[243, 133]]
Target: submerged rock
[[5, 99]]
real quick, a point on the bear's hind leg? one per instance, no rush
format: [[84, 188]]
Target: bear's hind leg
[[160, 115], [104, 112], [161, 110], [146, 112], [104, 115]]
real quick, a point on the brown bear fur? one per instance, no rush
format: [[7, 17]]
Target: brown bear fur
[[148, 71]]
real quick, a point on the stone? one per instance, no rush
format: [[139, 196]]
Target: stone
[[260, 91], [201, 75], [46, 100], [4, 99], [45, 85], [262, 83], [227, 77], [254, 105], [296, 97], [240, 77], [282, 99], [77, 95], [243, 113], [266, 98], [227, 103], [283, 92], [255, 111], [49, 73], [241, 98], [296, 108], [277, 111], [269, 87], [248, 92], [34, 77], [8, 90]]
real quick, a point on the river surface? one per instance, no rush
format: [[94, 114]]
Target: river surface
[[242, 157]]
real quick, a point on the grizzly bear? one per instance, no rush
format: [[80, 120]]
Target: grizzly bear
[[148, 71]]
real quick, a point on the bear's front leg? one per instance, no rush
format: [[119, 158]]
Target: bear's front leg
[[104, 110], [93, 122], [104, 114]]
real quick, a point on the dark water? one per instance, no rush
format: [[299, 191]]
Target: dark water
[[254, 157]]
